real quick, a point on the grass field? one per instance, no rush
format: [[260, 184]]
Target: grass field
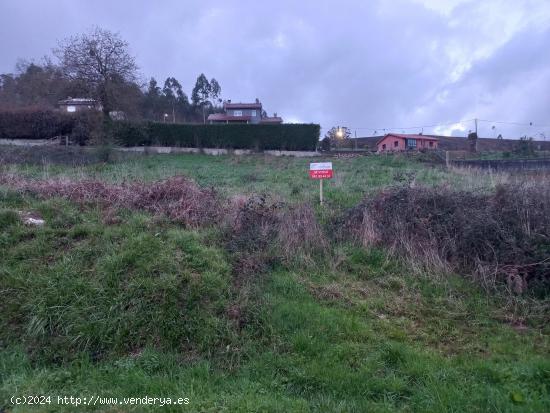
[[139, 306], [282, 177]]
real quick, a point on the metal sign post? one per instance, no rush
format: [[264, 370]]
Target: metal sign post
[[320, 171]]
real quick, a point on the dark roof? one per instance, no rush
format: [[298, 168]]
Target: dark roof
[[228, 105]]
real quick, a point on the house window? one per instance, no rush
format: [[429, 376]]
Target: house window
[[395, 144], [411, 143], [71, 108], [431, 144], [237, 113], [384, 147], [253, 113]]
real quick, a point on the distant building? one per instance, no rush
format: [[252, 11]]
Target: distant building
[[72, 105], [395, 142], [78, 104], [243, 113]]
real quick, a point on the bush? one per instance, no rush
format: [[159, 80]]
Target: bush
[[236, 136], [525, 147], [497, 238], [33, 123], [178, 198], [86, 127], [251, 232], [300, 236]]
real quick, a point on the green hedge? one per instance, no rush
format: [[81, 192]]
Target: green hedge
[[235, 136], [33, 123]]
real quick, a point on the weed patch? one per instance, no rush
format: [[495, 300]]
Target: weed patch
[[178, 198], [500, 238]]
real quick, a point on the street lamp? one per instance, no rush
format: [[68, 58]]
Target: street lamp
[[165, 116]]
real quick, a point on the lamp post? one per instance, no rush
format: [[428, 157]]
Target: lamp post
[[165, 116]]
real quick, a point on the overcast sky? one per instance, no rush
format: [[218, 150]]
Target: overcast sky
[[364, 64]]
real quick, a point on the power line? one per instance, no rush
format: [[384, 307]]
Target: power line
[[530, 124], [416, 127]]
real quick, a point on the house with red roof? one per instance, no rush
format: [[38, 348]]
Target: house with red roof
[[243, 113], [396, 142]]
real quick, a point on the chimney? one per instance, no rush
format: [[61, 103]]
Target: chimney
[[228, 100], [257, 100]]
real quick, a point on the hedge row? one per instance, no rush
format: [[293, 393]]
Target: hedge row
[[35, 123], [232, 136]]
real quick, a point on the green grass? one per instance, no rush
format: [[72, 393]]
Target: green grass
[[282, 177], [142, 308]]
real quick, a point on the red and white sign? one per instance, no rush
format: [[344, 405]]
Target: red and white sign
[[320, 170]]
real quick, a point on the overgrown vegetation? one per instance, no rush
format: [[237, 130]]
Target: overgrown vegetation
[[262, 302], [33, 123], [501, 237]]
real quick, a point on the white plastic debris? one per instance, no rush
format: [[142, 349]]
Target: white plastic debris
[[31, 218], [34, 221]]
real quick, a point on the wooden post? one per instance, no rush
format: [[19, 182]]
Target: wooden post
[[447, 159], [321, 190]]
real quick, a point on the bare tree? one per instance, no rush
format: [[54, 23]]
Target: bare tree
[[99, 58]]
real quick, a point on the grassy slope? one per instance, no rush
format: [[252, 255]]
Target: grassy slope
[[283, 177], [360, 335]]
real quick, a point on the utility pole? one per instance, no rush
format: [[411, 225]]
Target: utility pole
[[475, 142]]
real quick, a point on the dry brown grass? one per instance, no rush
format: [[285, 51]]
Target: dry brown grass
[[300, 237], [178, 198], [499, 238]]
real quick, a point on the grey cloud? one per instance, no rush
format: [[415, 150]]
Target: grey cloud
[[356, 63]]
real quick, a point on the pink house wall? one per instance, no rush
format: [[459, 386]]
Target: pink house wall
[[390, 142], [398, 143]]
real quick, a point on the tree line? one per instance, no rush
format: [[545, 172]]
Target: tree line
[[98, 64]]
